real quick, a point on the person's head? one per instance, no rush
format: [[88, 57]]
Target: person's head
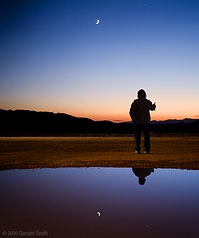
[[141, 180], [141, 93]]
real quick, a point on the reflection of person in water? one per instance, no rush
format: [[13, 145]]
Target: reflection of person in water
[[142, 173]]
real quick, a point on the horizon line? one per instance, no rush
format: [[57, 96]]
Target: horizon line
[[113, 120]]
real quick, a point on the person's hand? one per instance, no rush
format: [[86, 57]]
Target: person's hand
[[154, 106]]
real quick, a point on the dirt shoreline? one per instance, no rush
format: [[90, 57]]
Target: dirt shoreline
[[53, 152]]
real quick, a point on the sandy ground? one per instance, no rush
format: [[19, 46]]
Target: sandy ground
[[51, 152]]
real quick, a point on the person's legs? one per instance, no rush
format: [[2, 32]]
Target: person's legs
[[137, 136], [146, 138]]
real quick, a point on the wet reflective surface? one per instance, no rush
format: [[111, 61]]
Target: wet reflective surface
[[99, 202]]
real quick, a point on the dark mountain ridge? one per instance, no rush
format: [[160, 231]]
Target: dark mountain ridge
[[32, 123], [170, 121], [25, 122]]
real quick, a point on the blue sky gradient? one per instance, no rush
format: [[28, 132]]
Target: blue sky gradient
[[55, 58]]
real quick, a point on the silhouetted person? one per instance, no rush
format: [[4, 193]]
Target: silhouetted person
[[140, 115], [142, 173]]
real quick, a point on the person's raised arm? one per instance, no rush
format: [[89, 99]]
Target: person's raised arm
[[153, 107]]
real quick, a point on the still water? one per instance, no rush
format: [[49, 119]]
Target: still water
[[99, 202]]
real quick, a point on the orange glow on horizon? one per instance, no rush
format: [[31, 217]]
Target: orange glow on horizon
[[127, 118], [107, 117]]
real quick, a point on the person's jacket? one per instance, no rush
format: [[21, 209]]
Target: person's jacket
[[140, 110]]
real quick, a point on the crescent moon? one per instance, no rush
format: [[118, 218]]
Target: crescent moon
[[98, 21], [99, 214]]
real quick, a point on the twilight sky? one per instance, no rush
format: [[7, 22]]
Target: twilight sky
[[53, 56]]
